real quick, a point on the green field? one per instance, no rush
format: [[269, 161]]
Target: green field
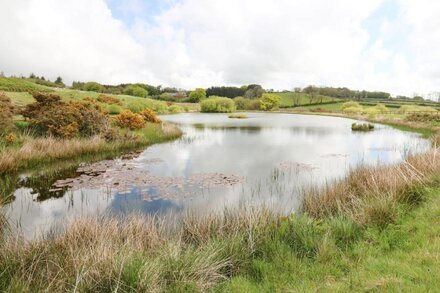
[[289, 99], [19, 91]]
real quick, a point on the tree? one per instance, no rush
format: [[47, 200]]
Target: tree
[[313, 92], [59, 80], [92, 87], [197, 95], [254, 91], [296, 96], [135, 90], [32, 75], [226, 91], [269, 101]]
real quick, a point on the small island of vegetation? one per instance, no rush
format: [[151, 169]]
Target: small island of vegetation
[[362, 126]]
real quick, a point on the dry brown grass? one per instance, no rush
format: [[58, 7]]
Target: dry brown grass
[[369, 193], [37, 151], [49, 148], [139, 253]]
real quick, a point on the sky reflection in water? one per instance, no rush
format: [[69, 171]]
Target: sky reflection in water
[[276, 154]]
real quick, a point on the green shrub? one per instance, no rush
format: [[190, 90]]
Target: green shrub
[[352, 110], [216, 104], [247, 104], [174, 109], [350, 104], [135, 90], [197, 95], [93, 87], [269, 102], [139, 105], [381, 108], [114, 109]]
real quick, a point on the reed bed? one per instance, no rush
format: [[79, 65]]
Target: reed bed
[[138, 253], [38, 151]]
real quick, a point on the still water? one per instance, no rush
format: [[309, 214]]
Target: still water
[[218, 162]]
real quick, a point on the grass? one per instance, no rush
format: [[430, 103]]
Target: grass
[[367, 232], [31, 153], [289, 99], [238, 116], [11, 84]]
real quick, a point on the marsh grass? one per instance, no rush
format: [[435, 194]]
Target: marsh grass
[[36, 152], [238, 116], [371, 194]]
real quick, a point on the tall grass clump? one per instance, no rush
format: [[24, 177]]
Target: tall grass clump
[[216, 104], [138, 253], [368, 196]]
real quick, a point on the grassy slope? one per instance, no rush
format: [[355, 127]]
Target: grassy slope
[[18, 90]]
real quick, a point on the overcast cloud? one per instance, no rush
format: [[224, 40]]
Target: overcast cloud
[[391, 45]]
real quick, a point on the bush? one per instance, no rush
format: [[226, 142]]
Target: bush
[[150, 116], [130, 120], [247, 104], [217, 105], [135, 90], [168, 97], [381, 108], [269, 101], [6, 113], [140, 105], [174, 109], [114, 109], [197, 95], [49, 115], [109, 100], [93, 87], [352, 110], [350, 104]]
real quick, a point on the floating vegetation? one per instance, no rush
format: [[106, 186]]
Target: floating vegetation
[[335, 156], [362, 126], [238, 116], [124, 176], [294, 166]]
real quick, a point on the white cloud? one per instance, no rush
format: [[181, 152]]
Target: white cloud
[[76, 39], [279, 44]]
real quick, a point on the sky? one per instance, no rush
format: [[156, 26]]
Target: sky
[[387, 45]]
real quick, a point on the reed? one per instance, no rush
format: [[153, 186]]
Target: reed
[[35, 152]]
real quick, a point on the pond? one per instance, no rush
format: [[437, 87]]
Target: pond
[[219, 162]]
